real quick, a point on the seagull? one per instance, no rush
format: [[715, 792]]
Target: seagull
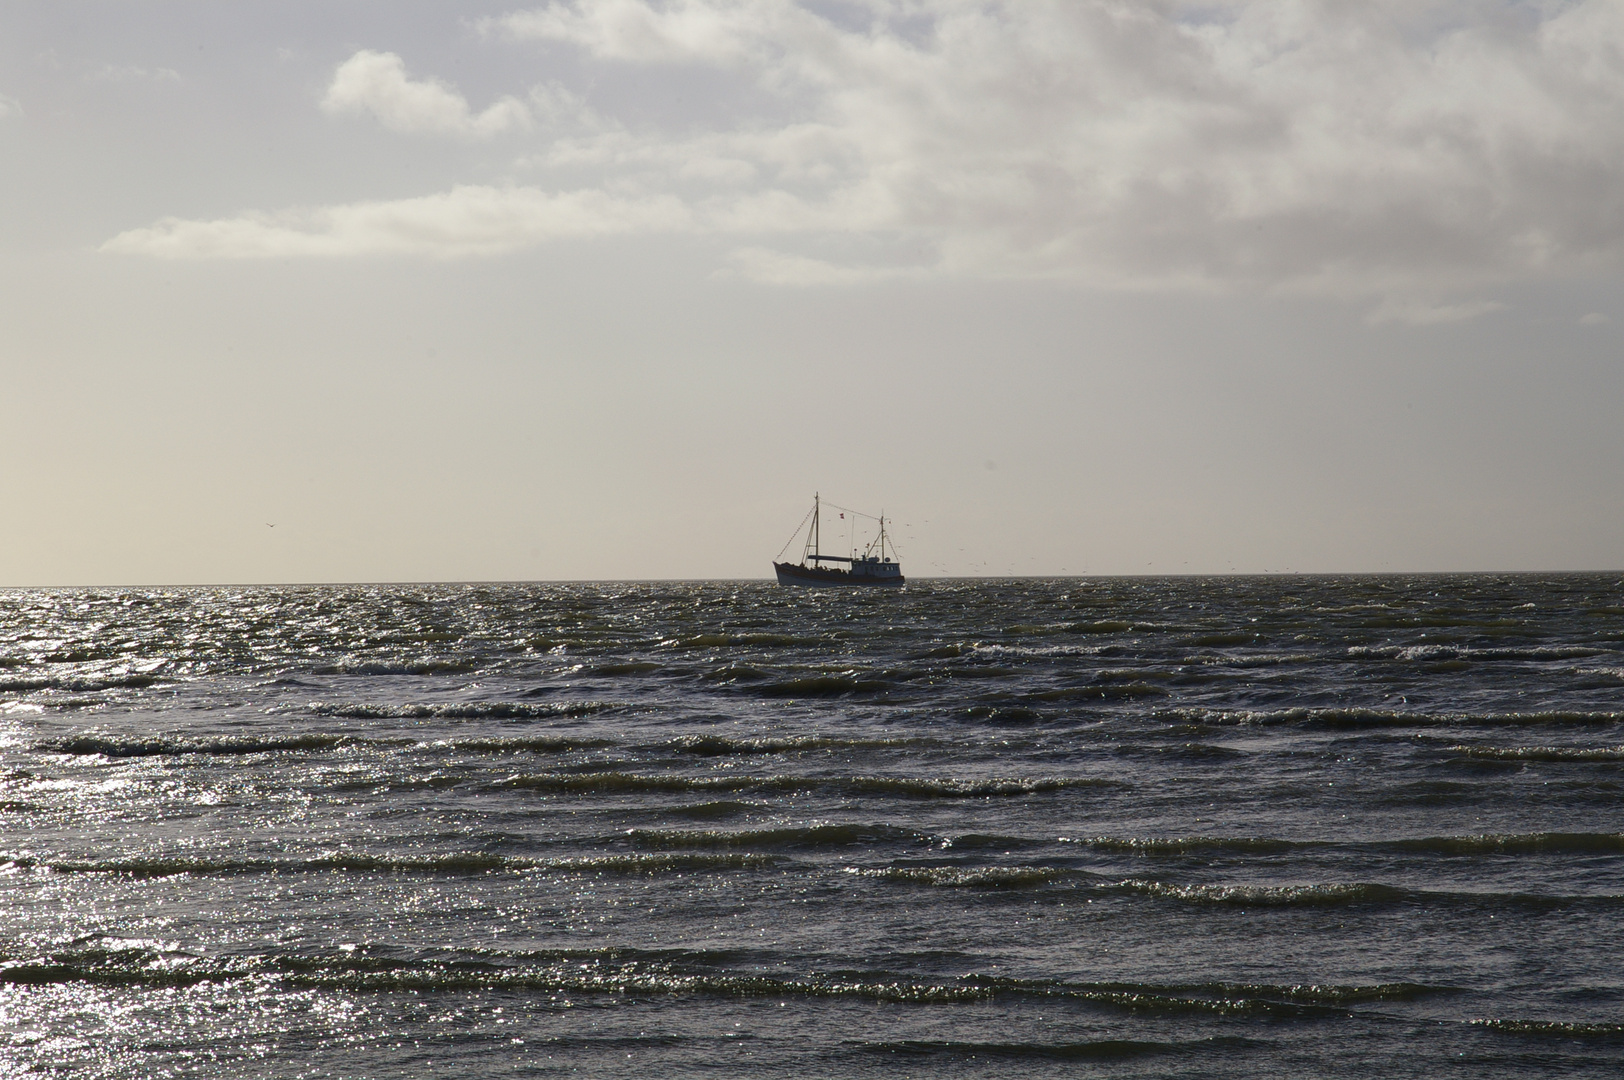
[[270, 525]]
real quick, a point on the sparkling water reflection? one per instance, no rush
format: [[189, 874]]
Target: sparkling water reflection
[[1132, 827]]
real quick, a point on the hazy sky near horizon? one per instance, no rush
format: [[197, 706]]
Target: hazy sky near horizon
[[372, 290]]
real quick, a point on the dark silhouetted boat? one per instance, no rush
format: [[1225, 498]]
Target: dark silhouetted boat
[[873, 567]]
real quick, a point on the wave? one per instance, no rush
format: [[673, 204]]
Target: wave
[[1561, 1029], [1248, 1001], [978, 877], [721, 745], [467, 710], [1195, 751], [615, 782], [1339, 894], [1097, 1050], [1541, 753], [618, 670], [454, 864], [710, 811], [1252, 660], [57, 704], [1307, 993], [129, 746], [1481, 844], [1105, 626], [1002, 715], [449, 666], [1265, 895], [985, 842], [1177, 846], [1545, 843], [77, 683], [536, 744], [718, 641], [1468, 652], [786, 838], [124, 746], [655, 864], [1046, 651], [823, 686], [736, 673], [1344, 718], [573, 979], [1099, 691], [608, 972], [907, 787]]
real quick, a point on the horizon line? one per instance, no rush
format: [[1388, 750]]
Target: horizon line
[[772, 581]]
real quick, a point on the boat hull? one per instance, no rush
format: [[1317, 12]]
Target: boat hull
[[818, 577]]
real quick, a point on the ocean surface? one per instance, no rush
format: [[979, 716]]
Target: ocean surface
[[1133, 827]]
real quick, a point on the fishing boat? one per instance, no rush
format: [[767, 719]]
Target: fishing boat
[[874, 566]]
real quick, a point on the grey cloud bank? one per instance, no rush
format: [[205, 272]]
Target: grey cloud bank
[[1348, 149]]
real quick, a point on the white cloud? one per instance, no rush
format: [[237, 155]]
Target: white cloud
[[376, 83], [464, 221], [684, 30], [10, 106], [1381, 149], [1594, 318]]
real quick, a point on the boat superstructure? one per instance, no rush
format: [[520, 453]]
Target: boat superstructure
[[875, 566]]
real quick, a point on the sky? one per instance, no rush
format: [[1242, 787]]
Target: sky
[[383, 290]]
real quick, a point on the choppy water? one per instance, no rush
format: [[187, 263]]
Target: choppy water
[[1153, 827]]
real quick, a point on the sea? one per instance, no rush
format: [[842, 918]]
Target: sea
[[1124, 827]]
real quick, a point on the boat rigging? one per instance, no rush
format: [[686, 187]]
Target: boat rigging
[[875, 566]]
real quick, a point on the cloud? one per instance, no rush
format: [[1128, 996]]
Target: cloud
[[376, 83], [1594, 318], [1380, 149], [682, 31], [469, 220], [133, 73], [9, 107], [1423, 313], [777, 268]]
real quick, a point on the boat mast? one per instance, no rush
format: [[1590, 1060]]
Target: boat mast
[[811, 551]]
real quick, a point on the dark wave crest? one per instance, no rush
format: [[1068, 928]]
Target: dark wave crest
[[788, 838], [77, 683], [111, 962], [452, 864], [1326, 895], [1547, 843], [1542, 753], [134, 746], [721, 746], [462, 710], [977, 877], [1555, 1029], [1358, 719], [904, 787], [1179, 846], [1097, 1050]]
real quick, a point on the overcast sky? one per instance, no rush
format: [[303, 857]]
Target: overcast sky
[[380, 291]]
